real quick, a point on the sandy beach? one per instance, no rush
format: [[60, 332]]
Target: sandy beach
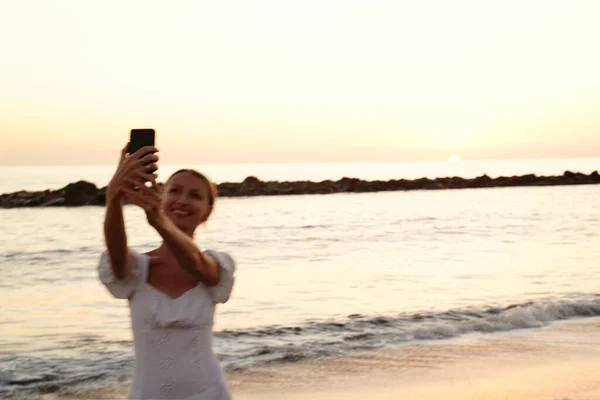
[[554, 363], [559, 362]]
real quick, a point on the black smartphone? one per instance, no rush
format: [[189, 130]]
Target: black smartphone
[[140, 138]]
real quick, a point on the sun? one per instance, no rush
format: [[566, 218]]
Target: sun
[[454, 158]]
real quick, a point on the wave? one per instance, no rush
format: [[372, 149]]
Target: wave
[[358, 332], [95, 361], [49, 254], [58, 253], [44, 254]]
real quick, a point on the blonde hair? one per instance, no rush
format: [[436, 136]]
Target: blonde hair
[[212, 188]]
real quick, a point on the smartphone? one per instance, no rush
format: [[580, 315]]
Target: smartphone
[[140, 138]]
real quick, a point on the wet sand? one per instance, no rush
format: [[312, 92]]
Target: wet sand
[[559, 362], [555, 363]]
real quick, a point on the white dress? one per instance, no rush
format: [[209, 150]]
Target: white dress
[[172, 337]]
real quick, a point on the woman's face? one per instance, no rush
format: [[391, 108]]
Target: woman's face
[[186, 201]]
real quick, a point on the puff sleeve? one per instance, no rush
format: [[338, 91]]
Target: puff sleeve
[[121, 288], [221, 292]]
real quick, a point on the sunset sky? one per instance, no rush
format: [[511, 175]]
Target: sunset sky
[[274, 81]]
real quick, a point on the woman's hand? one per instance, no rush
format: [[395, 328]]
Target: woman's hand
[[150, 199], [132, 172]]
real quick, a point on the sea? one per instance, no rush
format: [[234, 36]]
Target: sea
[[317, 276]]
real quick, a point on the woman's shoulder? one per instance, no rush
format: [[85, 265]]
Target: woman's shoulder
[[227, 268], [123, 288]]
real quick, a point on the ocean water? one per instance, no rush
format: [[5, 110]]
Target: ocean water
[[317, 275]]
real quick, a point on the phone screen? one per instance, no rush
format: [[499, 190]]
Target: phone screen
[[140, 138]]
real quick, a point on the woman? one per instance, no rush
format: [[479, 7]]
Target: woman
[[172, 290]]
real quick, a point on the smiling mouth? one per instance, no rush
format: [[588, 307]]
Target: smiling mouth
[[181, 213]]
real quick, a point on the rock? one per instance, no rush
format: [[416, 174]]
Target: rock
[[525, 179], [251, 186], [228, 189], [79, 193], [23, 195], [423, 183], [85, 193], [483, 181], [100, 196], [575, 177], [323, 187], [347, 184], [58, 201], [276, 188]]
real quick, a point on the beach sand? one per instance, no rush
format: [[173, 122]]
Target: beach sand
[[555, 363], [558, 362]]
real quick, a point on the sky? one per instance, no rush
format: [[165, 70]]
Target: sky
[[299, 80]]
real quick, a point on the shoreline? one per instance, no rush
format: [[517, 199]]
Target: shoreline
[[83, 193], [557, 362]]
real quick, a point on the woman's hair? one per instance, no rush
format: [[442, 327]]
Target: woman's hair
[[212, 188]]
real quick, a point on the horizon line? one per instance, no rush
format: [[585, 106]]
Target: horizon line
[[312, 162]]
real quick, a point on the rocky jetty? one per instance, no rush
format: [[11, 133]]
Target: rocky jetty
[[87, 194]]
